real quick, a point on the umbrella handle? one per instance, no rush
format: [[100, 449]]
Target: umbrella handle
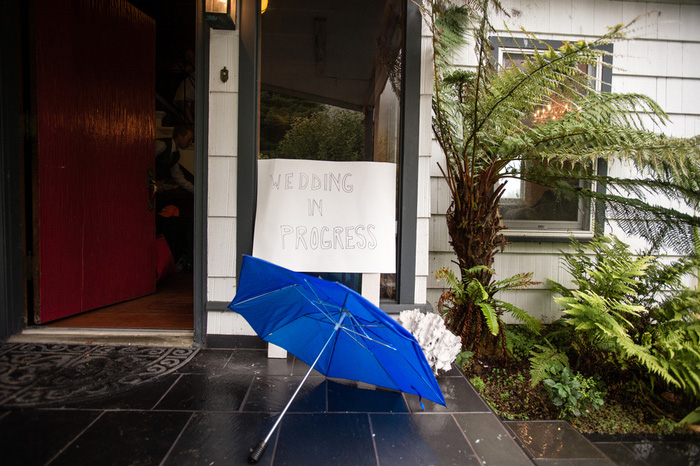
[[257, 452]]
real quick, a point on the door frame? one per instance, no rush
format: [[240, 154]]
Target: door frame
[[13, 264], [201, 149], [12, 283]]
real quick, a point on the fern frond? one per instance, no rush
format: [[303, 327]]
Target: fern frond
[[490, 316], [540, 357], [530, 322]]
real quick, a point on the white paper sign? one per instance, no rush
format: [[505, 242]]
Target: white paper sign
[[317, 216]]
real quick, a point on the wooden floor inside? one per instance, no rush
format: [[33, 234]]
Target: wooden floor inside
[[170, 307]]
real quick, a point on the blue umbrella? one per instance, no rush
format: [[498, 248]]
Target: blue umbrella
[[331, 328]]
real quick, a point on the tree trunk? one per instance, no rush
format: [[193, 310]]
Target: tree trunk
[[475, 225]]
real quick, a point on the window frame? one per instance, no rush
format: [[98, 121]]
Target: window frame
[[591, 219], [409, 115]]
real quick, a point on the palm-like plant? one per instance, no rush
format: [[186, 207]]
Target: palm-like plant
[[484, 121]]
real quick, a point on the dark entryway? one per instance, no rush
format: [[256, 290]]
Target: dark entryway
[[94, 75]]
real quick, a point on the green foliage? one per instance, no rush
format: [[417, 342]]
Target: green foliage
[[483, 120], [463, 358], [563, 389], [592, 393], [520, 341], [277, 113], [540, 360], [693, 417], [478, 383], [572, 393], [631, 314], [470, 288], [297, 128], [334, 134]]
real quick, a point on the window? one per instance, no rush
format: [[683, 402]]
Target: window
[[528, 207]]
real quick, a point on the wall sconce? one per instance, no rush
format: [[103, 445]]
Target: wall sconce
[[221, 14]]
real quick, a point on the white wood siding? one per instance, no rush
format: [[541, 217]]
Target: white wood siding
[[222, 183], [662, 61]]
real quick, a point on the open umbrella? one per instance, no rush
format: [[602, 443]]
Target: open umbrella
[[331, 328]]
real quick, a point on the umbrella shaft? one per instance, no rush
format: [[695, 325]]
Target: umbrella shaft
[[335, 330]]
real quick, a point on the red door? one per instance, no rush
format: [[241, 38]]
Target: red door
[[94, 234]]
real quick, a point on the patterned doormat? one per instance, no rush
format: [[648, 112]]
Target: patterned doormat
[[34, 375]]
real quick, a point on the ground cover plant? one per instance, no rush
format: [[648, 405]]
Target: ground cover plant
[[624, 357]]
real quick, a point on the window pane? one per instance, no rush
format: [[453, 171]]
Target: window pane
[[386, 149], [529, 206]]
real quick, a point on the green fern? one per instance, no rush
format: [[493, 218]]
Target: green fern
[[636, 310], [540, 358]]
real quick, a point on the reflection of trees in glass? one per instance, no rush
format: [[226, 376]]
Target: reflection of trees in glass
[[334, 134], [277, 114], [292, 128]]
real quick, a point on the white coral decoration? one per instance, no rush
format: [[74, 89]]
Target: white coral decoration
[[439, 345]]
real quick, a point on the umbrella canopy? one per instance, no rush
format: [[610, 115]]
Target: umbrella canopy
[[332, 328]]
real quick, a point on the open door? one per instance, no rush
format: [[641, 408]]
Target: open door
[[94, 96]]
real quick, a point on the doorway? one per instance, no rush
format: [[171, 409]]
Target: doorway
[[168, 304]]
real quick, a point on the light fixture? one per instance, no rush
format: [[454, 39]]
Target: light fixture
[[221, 14], [263, 6]]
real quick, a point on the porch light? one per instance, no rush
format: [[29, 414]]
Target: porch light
[[221, 14]]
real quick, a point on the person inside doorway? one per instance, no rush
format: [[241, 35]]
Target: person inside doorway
[[175, 196]]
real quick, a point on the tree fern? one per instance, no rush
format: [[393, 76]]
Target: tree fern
[[485, 118]]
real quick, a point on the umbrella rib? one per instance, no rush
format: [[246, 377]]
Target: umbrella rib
[[388, 374], [352, 333], [295, 285], [363, 334], [318, 298]]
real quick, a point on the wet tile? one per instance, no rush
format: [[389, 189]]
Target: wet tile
[[453, 372], [235, 341], [592, 462], [667, 453], [459, 395], [301, 368], [573, 462], [351, 397], [207, 392], [619, 454], [553, 439], [490, 440], [257, 362], [207, 361], [272, 393], [333, 438], [125, 437], [420, 439], [222, 438], [143, 397], [32, 437]]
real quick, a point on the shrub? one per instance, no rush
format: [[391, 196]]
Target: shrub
[[631, 314], [571, 392]]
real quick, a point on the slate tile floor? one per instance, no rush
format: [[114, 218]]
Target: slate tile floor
[[223, 402]]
